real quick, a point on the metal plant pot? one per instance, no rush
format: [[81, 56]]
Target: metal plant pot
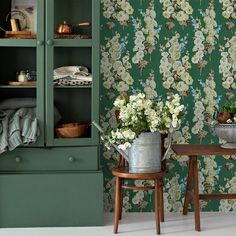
[[226, 132]]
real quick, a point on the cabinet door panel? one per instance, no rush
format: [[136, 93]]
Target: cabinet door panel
[[77, 103], [51, 200], [23, 53]]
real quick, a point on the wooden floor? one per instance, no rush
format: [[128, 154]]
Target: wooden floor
[[143, 224]]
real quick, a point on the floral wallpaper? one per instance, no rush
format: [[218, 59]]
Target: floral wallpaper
[[182, 46]]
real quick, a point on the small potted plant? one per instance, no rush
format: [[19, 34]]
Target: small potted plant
[[225, 125], [141, 122]]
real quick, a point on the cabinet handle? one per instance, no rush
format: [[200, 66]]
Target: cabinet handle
[[40, 42], [50, 42], [18, 159], [71, 159]]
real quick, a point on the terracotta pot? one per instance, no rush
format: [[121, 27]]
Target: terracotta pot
[[64, 28]]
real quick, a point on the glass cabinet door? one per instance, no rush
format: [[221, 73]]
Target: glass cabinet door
[[72, 71], [22, 58]]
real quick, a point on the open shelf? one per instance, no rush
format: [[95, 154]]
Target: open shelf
[[18, 42], [73, 12], [73, 43], [16, 87]]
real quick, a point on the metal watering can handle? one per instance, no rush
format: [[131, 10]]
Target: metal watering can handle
[[169, 145]]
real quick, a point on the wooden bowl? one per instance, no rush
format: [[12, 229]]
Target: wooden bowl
[[72, 130]]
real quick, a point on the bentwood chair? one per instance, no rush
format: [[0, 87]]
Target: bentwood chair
[[122, 173]]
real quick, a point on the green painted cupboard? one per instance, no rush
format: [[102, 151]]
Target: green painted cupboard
[[56, 181]]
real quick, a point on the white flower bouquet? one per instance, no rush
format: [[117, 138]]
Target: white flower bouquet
[[137, 114]]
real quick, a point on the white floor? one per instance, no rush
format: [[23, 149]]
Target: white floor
[[142, 224]]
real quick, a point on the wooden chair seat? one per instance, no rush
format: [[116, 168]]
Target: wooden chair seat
[[123, 172]]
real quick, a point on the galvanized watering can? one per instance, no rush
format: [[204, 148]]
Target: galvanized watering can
[[144, 156]]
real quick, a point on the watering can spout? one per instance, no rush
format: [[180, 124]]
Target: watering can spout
[[123, 153]]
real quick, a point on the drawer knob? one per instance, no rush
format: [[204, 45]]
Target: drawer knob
[[50, 42], [18, 159], [40, 42], [71, 159]]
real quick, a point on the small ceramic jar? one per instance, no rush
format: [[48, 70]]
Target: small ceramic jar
[[22, 77]]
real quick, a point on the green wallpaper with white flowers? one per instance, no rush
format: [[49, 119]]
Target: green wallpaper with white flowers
[[182, 46]]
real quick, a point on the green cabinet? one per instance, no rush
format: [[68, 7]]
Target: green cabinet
[[56, 181]]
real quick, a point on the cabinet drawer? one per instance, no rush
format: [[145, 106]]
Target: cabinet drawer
[[38, 159]]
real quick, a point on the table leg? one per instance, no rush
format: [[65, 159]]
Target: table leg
[[196, 195], [188, 186]]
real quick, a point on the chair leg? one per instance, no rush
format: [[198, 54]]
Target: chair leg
[[162, 213], [157, 209], [117, 204], [121, 198]]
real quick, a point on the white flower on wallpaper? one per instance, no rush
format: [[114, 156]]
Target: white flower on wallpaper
[[120, 10], [205, 38], [146, 35], [211, 174], [150, 86], [211, 100], [204, 106], [228, 8], [179, 10], [139, 196], [175, 65], [115, 65], [229, 187], [227, 66], [173, 197], [198, 118], [109, 194]]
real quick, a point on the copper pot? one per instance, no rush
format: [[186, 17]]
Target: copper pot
[[64, 28]]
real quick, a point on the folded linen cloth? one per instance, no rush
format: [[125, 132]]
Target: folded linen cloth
[[71, 82], [19, 127], [72, 73], [2, 117]]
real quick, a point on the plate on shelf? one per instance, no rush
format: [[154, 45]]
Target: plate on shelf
[[27, 83]]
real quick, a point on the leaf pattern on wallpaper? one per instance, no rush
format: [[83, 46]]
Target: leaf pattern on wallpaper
[[228, 63], [205, 38], [175, 65], [179, 10], [145, 38], [163, 61], [119, 10]]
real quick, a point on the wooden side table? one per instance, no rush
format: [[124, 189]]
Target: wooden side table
[[194, 151]]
